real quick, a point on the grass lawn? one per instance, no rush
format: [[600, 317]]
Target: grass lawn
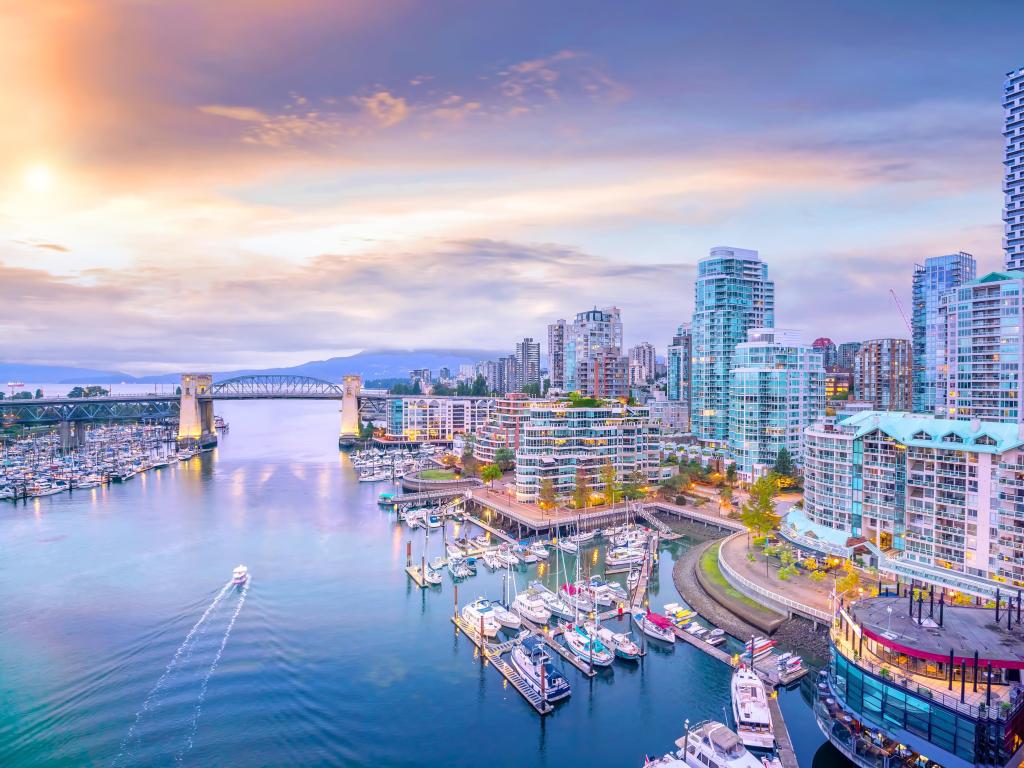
[[710, 570], [436, 474]]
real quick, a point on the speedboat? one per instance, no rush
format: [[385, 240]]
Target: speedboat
[[634, 576], [433, 521], [587, 647], [620, 642], [709, 743], [432, 576], [715, 636], [492, 561], [458, 569], [530, 605], [479, 614], [506, 556], [481, 541], [240, 575], [750, 709], [505, 617], [655, 625], [620, 557], [568, 546], [533, 664], [524, 554], [539, 550]]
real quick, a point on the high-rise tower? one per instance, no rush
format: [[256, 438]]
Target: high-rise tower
[[1013, 184]]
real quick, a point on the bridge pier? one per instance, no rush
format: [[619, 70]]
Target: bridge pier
[[195, 420], [64, 429], [350, 411]]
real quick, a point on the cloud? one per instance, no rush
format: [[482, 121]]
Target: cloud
[[386, 109], [245, 114]]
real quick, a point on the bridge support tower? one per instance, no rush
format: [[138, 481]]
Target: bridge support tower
[[195, 422], [350, 411]]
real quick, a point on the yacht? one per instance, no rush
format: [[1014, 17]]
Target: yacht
[[586, 646], [533, 664], [575, 597], [599, 591], [567, 546], [458, 568], [750, 709], [539, 550], [508, 619], [621, 557], [530, 605], [432, 576], [655, 625], [240, 575], [554, 603], [709, 743], [481, 541], [492, 561], [506, 556], [620, 642], [481, 613]]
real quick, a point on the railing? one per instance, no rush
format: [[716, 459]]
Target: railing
[[799, 607]]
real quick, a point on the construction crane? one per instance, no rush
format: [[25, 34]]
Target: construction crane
[[899, 306]]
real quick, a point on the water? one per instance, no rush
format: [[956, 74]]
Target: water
[[331, 657]]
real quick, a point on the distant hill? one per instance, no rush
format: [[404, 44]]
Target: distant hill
[[379, 364], [59, 374]]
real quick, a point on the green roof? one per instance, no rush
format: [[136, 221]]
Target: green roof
[[931, 432], [994, 277]]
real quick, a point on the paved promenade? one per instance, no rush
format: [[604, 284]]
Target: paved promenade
[[800, 588]]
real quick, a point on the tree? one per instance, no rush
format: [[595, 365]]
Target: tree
[[784, 465], [724, 496], [480, 388], [546, 495], [39, 394], [470, 465], [849, 580], [366, 429], [608, 480], [759, 512], [505, 458], [90, 391], [463, 389], [442, 390], [532, 389], [730, 473], [634, 486], [21, 396], [490, 473], [581, 494]]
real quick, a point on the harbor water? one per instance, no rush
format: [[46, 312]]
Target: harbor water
[[123, 643]]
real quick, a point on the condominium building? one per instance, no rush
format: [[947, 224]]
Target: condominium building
[[527, 364], [596, 333], [556, 355], [838, 384], [678, 373], [413, 419], [642, 360], [828, 351], [984, 321], [882, 374], [845, 355], [733, 295], [1013, 184], [559, 441], [777, 390], [503, 428], [932, 279], [947, 494]]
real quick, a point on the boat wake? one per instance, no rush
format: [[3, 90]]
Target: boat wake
[[172, 705]]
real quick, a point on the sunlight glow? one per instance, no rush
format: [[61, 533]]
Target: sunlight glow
[[38, 178]]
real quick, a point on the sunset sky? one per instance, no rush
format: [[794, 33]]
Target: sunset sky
[[264, 182]]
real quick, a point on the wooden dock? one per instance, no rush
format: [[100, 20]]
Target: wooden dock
[[783, 743], [492, 655], [490, 529]]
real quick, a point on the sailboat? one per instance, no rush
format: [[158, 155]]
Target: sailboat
[[430, 575], [503, 611]]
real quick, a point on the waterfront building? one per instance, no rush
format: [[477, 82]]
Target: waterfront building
[[414, 419], [556, 355], [1013, 159], [642, 364], [828, 351], [503, 427], [983, 322], [845, 355], [559, 440], [777, 390], [912, 683], [882, 374], [733, 295], [932, 279], [946, 496], [527, 364]]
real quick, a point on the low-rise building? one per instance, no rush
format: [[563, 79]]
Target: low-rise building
[[414, 419], [559, 440], [505, 426]]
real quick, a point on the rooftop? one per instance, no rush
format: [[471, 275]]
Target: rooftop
[[964, 630], [931, 432]]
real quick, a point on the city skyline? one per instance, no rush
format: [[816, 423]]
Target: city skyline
[[194, 193]]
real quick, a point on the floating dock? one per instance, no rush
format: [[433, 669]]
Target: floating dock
[[490, 529], [783, 743]]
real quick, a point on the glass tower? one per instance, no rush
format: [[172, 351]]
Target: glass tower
[[733, 295], [931, 279]]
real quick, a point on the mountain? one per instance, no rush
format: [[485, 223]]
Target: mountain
[[59, 374], [379, 364]]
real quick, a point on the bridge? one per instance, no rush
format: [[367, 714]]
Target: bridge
[[194, 405]]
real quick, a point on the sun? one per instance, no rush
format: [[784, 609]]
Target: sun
[[38, 178]]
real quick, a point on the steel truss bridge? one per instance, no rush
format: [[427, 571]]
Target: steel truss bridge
[[55, 410]]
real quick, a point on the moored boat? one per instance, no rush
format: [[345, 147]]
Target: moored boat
[[587, 647], [620, 642], [530, 605], [761, 646], [480, 614], [655, 625], [750, 709], [240, 575], [532, 662]]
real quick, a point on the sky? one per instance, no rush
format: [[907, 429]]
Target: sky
[[197, 185]]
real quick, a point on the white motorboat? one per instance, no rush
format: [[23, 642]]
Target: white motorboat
[[539, 550], [505, 554], [620, 557], [655, 625], [530, 605], [432, 576], [453, 550], [715, 636], [598, 590], [575, 597], [568, 546], [524, 554], [433, 521], [492, 561], [554, 603], [481, 541], [634, 576], [505, 617], [708, 743], [620, 642], [480, 613], [581, 538], [531, 660], [240, 575], [750, 709]]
